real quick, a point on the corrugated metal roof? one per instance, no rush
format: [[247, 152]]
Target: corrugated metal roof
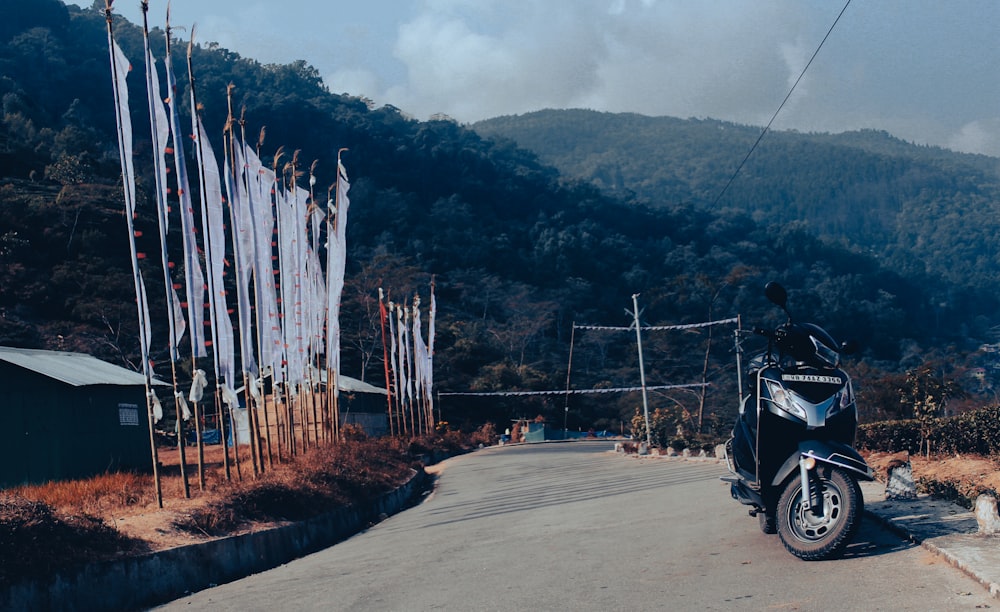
[[353, 385], [76, 369]]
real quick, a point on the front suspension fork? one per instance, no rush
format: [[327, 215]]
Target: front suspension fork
[[805, 465]]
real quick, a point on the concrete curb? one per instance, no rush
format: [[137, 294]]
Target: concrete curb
[[158, 577], [943, 528]]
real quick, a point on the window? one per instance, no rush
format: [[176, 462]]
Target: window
[[128, 414]]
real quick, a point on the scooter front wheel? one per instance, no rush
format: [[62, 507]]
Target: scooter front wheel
[[824, 530]]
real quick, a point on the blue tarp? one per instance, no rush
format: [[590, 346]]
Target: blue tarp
[[208, 436]]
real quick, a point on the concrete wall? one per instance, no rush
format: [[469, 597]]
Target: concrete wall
[[155, 578]]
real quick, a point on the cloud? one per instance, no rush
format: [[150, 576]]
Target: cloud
[[982, 136], [920, 69], [472, 60], [353, 81], [912, 71]]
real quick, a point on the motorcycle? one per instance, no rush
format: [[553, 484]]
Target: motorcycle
[[791, 452]]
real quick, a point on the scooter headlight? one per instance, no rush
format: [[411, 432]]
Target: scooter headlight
[[785, 400]]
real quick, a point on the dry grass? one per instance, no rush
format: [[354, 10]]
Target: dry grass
[[95, 496], [956, 478], [320, 481], [56, 526], [37, 540]]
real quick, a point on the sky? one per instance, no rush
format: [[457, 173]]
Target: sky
[[925, 71]]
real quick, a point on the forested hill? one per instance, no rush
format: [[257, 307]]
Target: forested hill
[[918, 208], [519, 255]]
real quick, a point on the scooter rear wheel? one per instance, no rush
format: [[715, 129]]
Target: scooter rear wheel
[[823, 532]]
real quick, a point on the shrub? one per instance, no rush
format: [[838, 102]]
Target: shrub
[[890, 436], [678, 444], [977, 431], [485, 435], [37, 540]]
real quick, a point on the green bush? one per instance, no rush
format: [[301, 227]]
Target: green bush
[[890, 436], [975, 432]]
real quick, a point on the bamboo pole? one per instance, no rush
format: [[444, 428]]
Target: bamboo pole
[[408, 341], [267, 427], [194, 301], [228, 149], [248, 382], [385, 359], [121, 115], [209, 246], [158, 151]]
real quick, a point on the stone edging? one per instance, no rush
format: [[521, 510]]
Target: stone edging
[[157, 577]]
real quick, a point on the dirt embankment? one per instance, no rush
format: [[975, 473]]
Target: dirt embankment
[[960, 477]]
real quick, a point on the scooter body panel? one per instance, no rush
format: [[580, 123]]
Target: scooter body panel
[[825, 451]]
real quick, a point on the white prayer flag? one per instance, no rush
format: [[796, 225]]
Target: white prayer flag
[[194, 280], [215, 244], [242, 243], [160, 132], [120, 68], [336, 264]]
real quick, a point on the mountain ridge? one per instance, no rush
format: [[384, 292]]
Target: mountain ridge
[[519, 251]]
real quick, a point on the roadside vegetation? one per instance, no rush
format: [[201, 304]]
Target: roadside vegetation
[[61, 525]]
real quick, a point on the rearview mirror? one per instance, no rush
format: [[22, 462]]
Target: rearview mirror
[[776, 294]]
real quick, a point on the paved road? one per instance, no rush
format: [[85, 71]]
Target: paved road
[[576, 527]]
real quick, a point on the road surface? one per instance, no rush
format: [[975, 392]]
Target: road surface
[[575, 526]]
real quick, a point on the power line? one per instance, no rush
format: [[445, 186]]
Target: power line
[[657, 327], [575, 391], [780, 106]]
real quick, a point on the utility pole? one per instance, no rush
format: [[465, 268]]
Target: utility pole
[[642, 371], [569, 369]]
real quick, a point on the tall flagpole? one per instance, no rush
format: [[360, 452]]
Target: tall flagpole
[[210, 247], [119, 69], [263, 282], [385, 358], [282, 391], [394, 359], [408, 350], [419, 363], [429, 370], [193, 278], [402, 379], [315, 335], [336, 262], [252, 417], [159, 129], [293, 334], [243, 312]]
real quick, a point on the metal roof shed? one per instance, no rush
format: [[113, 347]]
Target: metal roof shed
[[69, 415], [362, 404]]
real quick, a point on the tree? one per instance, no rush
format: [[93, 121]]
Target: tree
[[926, 395]]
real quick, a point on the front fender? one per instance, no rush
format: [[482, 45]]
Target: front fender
[[829, 452]]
